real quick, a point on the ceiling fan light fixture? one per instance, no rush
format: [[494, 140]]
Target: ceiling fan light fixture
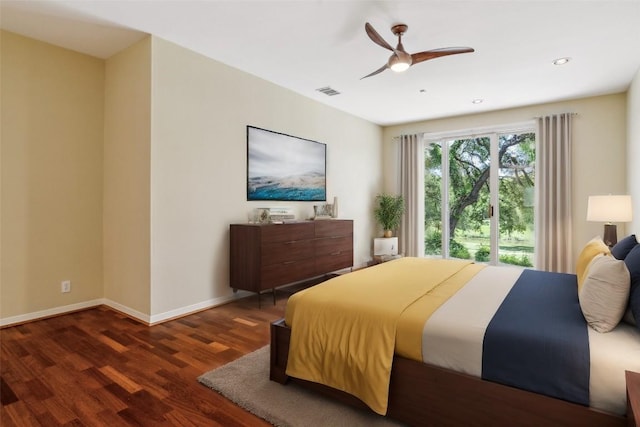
[[399, 67], [399, 64]]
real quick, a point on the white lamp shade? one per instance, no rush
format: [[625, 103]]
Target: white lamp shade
[[399, 67], [609, 208]]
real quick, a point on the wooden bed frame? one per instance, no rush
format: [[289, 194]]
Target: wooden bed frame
[[421, 394]]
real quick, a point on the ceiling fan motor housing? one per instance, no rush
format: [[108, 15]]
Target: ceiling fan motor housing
[[400, 61]]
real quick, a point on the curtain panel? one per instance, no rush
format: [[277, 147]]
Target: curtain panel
[[554, 213], [411, 233]]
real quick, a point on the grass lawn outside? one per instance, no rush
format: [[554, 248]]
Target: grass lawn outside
[[516, 249], [517, 245]]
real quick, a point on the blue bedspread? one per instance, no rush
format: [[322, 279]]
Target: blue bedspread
[[538, 338]]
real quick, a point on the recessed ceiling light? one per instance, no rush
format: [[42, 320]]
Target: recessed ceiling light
[[477, 101], [561, 61]]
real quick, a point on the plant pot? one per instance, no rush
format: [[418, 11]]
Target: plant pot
[[388, 233]]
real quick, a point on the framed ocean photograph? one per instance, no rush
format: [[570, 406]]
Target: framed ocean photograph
[[285, 167]]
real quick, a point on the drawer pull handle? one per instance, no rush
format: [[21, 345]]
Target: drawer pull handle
[[336, 253], [289, 262]]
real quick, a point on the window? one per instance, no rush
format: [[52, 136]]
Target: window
[[479, 196]]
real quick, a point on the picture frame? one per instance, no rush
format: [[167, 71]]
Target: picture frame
[[324, 211], [282, 167], [263, 215]]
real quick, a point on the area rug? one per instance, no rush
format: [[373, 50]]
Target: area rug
[[245, 382]]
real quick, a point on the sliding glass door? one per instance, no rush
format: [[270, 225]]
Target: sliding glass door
[[479, 198]]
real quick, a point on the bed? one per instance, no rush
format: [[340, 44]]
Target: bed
[[439, 347]]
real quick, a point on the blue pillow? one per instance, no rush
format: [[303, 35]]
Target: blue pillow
[[624, 246], [632, 261]]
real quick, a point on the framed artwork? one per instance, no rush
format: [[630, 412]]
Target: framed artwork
[[285, 167]]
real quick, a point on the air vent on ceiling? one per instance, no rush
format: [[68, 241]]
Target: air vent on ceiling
[[328, 91]]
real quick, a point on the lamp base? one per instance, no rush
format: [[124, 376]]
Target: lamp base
[[610, 234]]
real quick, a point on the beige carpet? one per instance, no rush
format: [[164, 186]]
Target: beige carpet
[[246, 382]]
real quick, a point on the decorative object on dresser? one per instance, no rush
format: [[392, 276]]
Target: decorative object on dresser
[[271, 215], [609, 209], [262, 215], [324, 211], [265, 256], [388, 212], [281, 214]]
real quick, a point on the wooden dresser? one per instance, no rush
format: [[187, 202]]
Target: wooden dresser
[[264, 256]]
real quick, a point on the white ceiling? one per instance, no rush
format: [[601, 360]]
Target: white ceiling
[[308, 44]]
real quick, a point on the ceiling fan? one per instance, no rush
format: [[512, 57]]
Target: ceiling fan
[[400, 60]]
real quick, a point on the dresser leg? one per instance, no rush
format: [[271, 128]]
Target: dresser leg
[[274, 295]]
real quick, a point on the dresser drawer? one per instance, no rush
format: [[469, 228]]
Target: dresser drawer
[[333, 227], [335, 261], [294, 250], [287, 232], [287, 272], [331, 245]]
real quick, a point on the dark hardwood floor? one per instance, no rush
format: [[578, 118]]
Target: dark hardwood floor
[[99, 368]]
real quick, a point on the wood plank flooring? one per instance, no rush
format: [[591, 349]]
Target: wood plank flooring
[[100, 368]]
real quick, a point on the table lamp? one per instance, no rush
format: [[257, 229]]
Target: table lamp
[[609, 209]]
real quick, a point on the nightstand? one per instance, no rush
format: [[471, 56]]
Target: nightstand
[[385, 246], [633, 398]]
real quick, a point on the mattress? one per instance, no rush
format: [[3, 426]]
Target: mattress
[[453, 338]]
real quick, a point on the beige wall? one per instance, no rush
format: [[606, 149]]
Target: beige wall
[[633, 152], [51, 167], [148, 149], [599, 149], [127, 145], [198, 169]]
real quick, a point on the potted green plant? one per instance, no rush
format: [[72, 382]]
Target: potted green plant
[[388, 212]]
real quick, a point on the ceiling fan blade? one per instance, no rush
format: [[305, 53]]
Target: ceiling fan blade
[[436, 53], [376, 38], [378, 71]]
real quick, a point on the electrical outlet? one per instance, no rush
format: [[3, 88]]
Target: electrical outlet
[[65, 286]]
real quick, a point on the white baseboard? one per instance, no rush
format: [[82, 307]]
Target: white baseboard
[[193, 308], [138, 315], [56, 311], [142, 317]]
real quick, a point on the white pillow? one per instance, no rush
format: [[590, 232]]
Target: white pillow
[[604, 294]]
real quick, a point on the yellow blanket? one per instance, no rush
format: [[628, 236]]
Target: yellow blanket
[[343, 332]]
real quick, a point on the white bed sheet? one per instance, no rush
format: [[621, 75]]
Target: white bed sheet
[[452, 338], [611, 354]]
